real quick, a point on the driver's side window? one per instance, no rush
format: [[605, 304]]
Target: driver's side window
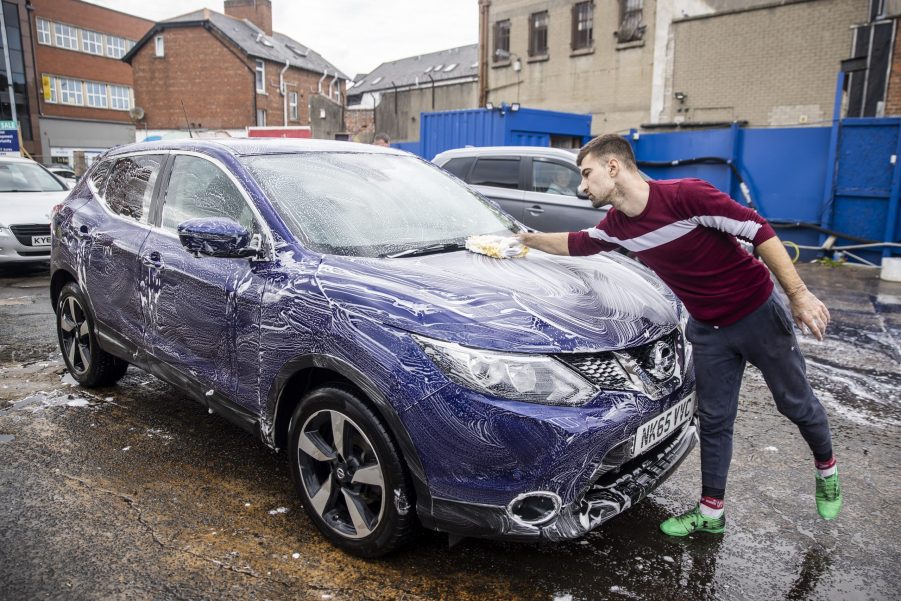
[[198, 188]]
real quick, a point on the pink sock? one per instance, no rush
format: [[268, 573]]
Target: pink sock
[[825, 468], [711, 507]]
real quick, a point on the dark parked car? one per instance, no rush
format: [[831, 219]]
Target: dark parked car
[[317, 294]]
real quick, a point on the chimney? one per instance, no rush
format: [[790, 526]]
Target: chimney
[[258, 12]]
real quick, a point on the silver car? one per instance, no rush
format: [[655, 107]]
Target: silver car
[[535, 184], [28, 193]]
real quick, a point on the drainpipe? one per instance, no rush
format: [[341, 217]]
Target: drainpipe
[[429, 75], [321, 79], [282, 89], [484, 8], [331, 93]]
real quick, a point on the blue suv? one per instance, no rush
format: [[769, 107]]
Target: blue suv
[[318, 295]]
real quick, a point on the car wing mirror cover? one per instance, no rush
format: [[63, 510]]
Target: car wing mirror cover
[[218, 237]]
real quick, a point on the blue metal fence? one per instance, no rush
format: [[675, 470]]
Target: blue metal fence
[[844, 178]]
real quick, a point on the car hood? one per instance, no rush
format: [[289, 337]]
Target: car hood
[[540, 303], [28, 207]]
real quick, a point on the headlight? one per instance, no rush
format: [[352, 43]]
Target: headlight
[[530, 378]]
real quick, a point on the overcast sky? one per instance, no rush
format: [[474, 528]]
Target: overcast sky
[[354, 35]]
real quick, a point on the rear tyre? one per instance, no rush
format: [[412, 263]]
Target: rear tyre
[[349, 474], [90, 365]]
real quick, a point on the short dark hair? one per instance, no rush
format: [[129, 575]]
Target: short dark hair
[[610, 145], [383, 137]]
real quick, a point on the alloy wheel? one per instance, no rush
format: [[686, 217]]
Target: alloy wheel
[[75, 333], [341, 474]]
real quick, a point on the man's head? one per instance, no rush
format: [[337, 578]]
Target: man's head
[[381, 140], [603, 162]]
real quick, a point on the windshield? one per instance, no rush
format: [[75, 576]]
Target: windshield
[[27, 177], [372, 204]]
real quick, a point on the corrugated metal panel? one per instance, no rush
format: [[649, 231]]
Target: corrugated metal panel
[[444, 130]]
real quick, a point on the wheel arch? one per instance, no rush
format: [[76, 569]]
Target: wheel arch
[[60, 278], [305, 373]]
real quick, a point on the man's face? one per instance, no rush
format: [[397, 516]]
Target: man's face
[[380, 142], [597, 179]]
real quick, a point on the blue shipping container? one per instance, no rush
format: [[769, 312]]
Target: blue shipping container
[[500, 126]]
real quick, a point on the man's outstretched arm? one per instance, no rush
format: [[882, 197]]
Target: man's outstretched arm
[[806, 308], [555, 244]]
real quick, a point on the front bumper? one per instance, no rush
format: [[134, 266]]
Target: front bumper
[[13, 250], [611, 494]]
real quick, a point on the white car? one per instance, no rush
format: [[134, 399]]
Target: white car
[[28, 192]]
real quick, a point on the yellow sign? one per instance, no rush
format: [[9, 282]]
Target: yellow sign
[[45, 82]]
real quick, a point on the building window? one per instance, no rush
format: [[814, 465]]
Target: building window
[[160, 46], [292, 106], [49, 85], [538, 33], [70, 91], [66, 36], [583, 25], [92, 42], [115, 46], [261, 77], [120, 97], [43, 31], [96, 94], [501, 41], [631, 25], [261, 118]]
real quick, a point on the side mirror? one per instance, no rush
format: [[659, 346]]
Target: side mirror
[[217, 237]]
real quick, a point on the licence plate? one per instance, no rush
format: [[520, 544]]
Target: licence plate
[[40, 240], [658, 428]]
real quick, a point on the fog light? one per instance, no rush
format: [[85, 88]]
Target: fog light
[[534, 508]]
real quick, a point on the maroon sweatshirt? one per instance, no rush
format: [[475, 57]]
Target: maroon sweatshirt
[[686, 234]]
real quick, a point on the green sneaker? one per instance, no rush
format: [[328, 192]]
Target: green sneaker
[[829, 496], [693, 521]]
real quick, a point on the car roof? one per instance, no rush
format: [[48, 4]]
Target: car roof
[[255, 146], [534, 151], [15, 159]]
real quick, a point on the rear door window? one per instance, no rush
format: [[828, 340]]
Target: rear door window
[[198, 188], [130, 187], [501, 173]]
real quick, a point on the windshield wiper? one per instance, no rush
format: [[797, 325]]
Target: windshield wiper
[[425, 250]]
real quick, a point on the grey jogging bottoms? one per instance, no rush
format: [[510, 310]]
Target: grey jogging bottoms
[[764, 338]]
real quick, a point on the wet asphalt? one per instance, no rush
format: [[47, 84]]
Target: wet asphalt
[[136, 492]]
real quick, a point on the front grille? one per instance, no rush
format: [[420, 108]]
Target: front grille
[[609, 370], [23, 233]]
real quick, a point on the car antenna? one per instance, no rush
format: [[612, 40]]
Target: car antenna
[[188, 123]]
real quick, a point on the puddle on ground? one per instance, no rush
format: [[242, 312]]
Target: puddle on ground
[[5, 438], [44, 400]]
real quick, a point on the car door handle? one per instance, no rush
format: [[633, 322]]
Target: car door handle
[[535, 210], [152, 259]]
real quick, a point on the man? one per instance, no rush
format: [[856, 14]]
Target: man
[[684, 230], [382, 140]]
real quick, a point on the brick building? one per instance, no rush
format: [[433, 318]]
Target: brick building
[[206, 73], [84, 90], [634, 62]]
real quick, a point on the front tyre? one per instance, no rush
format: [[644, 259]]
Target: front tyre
[[90, 365], [349, 474]]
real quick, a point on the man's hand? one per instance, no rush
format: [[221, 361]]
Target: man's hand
[[555, 244], [808, 310]]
